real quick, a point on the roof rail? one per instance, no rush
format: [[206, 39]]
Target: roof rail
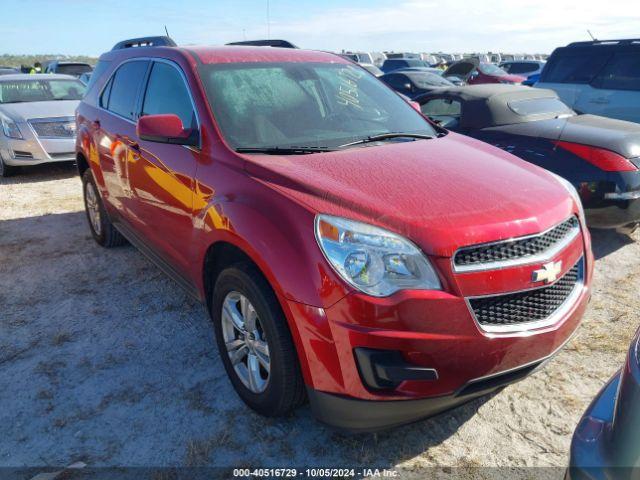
[[265, 43], [161, 41], [627, 41]]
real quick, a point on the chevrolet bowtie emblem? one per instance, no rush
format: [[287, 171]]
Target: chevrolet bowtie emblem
[[548, 273]]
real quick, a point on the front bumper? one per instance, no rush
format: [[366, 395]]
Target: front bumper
[[354, 415], [33, 150], [443, 357]]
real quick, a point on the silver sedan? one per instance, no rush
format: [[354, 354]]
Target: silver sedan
[[37, 119]]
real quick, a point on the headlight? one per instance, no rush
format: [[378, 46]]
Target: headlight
[[10, 128], [573, 192], [373, 260]]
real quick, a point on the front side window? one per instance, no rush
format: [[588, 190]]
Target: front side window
[[621, 73], [120, 95], [167, 93], [40, 90], [260, 105]]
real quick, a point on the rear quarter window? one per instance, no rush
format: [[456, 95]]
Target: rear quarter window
[[100, 69]]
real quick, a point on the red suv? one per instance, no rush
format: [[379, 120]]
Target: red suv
[[348, 250]]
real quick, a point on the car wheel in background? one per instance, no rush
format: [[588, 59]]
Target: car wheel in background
[[7, 170], [255, 343], [103, 231]]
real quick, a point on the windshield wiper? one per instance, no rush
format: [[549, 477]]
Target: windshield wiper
[[284, 150], [387, 136]]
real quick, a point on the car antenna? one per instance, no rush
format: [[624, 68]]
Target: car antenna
[[166, 31], [591, 35]]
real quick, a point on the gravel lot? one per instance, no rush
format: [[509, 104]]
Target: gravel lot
[[104, 360]]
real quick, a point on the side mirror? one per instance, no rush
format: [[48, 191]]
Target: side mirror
[[165, 128]]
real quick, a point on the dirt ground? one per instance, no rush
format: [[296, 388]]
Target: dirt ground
[[105, 360]]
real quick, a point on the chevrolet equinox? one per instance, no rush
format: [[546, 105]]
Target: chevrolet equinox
[[348, 250]]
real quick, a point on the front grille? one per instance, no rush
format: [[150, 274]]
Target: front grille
[[54, 127], [515, 249], [527, 306]]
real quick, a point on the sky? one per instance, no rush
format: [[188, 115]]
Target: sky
[[91, 27]]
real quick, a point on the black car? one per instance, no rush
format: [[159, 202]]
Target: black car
[[413, 83], [606, 443], [599, 156]]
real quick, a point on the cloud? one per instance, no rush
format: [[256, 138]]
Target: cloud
[[497, 25]]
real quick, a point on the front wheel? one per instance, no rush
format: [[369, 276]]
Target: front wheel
[[255, 343]]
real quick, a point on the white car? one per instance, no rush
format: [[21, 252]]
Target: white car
[[599, 77], [37, 119]]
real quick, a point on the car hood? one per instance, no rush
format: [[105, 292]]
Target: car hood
[[441, 193], [20, 112]]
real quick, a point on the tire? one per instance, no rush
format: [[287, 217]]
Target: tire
[[284, 389], [102, 230], [7, 170]]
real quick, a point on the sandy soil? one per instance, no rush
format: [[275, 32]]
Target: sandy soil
[[104, 360]]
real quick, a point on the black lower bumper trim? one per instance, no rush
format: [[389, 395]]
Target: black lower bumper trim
[[357, 415]]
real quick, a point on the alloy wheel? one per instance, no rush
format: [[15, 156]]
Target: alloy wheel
[[93, 208], [246, 342]]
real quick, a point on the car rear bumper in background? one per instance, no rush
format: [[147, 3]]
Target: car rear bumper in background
[[614, 213]]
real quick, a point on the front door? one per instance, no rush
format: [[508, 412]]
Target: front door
[[162, 175]]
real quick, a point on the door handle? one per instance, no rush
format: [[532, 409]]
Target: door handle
[[600, 100]]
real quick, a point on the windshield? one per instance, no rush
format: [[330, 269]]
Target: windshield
[[540, 106], [18, 91], [298, 104], [491, 69], [76, 69]]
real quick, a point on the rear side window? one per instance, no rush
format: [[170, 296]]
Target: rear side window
[[621, 73], [575, 68], [120, 95], [167, 93]]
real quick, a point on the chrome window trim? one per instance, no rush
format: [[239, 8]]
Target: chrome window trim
[[541, 257], [140, 100], [552, 319]]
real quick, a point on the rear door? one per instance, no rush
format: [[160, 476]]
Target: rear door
[[616, 90], [115, 130], [161, 175]]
